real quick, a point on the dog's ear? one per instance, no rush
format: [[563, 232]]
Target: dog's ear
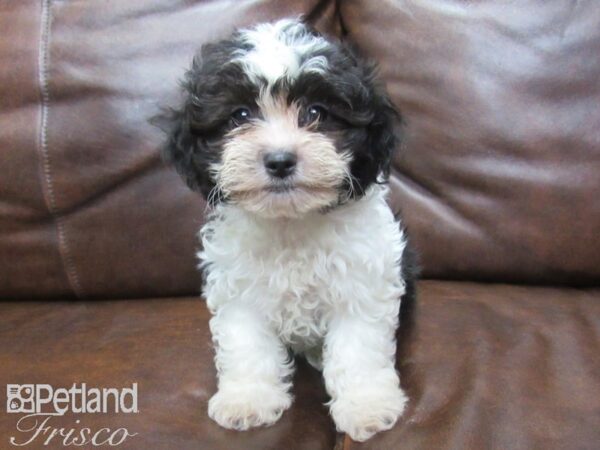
[[383, 129], [372, 160], [183, 149]]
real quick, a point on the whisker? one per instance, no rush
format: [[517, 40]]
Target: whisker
[[351, 187], [213, 197]]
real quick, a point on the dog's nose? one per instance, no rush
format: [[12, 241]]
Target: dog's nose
[[280, 164]]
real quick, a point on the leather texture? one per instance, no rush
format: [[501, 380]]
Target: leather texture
[[485, 367], [499, 174], [87, 209], [498, 180], [29, 247], [491, 366], [162, 344]]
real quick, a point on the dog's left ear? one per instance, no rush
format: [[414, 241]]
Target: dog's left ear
[[373, 157], [383, 131]]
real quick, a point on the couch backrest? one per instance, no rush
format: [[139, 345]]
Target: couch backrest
[[87, 208], [497, 177]]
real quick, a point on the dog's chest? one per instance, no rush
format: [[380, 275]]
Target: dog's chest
[[290, 274], [300, 299], [299, 275]]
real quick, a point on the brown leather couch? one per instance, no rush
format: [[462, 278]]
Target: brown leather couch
[[498, 179]]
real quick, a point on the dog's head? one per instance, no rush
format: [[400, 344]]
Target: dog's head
[[280, 121]]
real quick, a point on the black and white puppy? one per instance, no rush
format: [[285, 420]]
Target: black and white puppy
[[289, 137]]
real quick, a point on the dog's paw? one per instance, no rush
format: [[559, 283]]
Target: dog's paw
[[248, 405], [363, 413]]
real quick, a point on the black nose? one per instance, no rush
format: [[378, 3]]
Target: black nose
[[280, 164]]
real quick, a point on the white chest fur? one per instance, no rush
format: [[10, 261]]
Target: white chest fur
[[298, 273]]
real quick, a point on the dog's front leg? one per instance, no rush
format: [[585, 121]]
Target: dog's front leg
[[360, 376], [254, 370]]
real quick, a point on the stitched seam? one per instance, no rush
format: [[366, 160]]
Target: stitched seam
[[50, 198]]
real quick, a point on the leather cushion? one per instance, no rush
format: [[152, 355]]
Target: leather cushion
[[484, 366], [498, 177], [87, 209], [499, 367], [163, 345]]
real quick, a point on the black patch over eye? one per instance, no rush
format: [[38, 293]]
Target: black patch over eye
[[241, 116], [313, 113]]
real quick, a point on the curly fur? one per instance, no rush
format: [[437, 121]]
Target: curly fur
[[315, 263]]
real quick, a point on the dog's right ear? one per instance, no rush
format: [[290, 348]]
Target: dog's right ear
[[182, 148]]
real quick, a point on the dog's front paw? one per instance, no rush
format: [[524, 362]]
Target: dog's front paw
[[363, 413], [248, 405]]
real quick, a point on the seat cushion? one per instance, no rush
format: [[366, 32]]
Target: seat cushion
[[163, 345], [485, 367], [499, 367]]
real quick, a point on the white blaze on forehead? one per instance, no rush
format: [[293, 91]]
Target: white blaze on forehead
[[278, 49]]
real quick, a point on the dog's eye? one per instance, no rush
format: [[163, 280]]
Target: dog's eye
[[241, 115], [314, 113]]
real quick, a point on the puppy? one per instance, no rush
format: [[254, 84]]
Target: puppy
[[289, 137]]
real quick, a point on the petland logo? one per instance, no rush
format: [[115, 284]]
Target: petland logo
[[41, 402]]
